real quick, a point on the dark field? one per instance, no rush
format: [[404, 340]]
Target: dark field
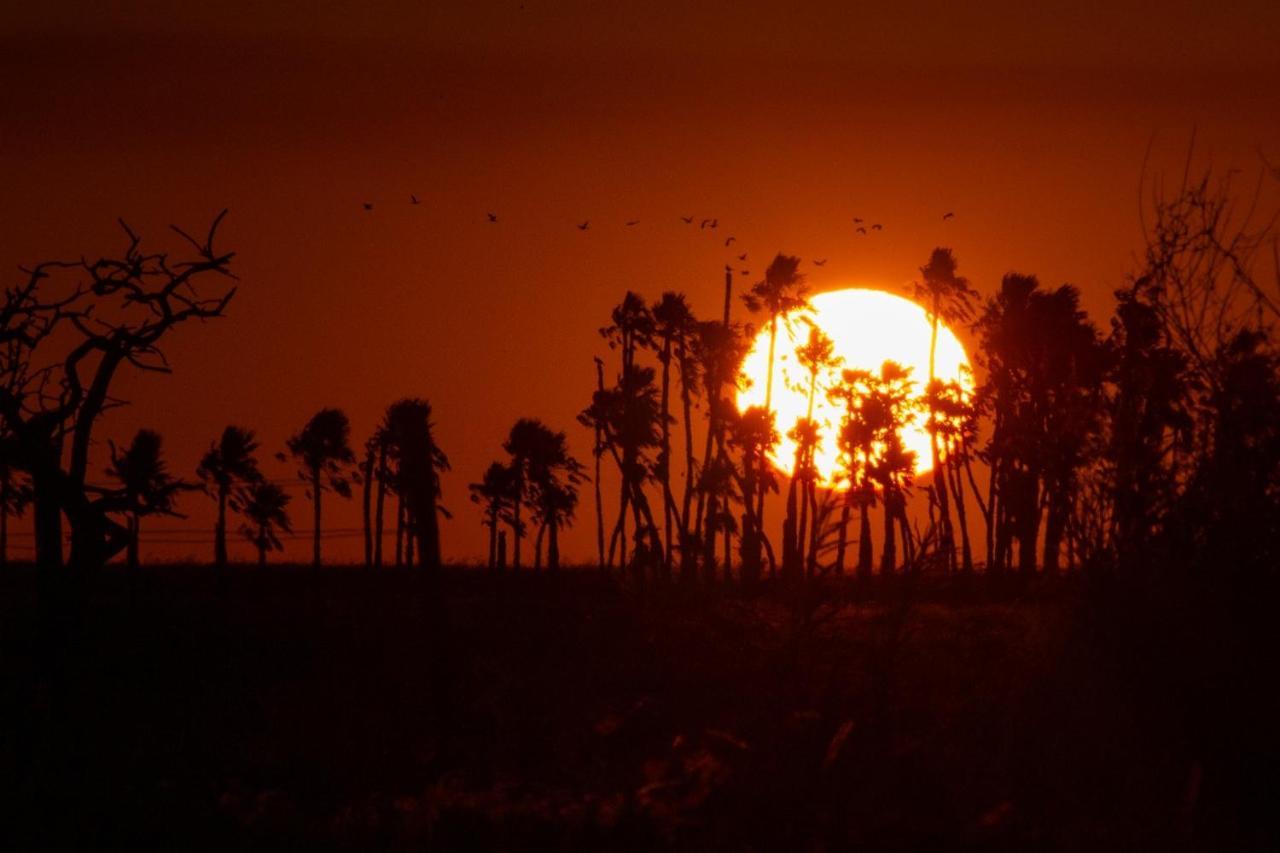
[[350, 710]]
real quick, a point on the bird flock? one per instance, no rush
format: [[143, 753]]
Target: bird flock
[[709, 223]]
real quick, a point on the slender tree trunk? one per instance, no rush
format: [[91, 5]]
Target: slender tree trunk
[[687, 559], [668, 500], [399, 530], [946, 539], [132, 554], [262, 547], [842, 537], [889, 552], [377, 517], [537, 547], [516, 529], [315, 534], [864, 539], [410, 535], [366, 507], [220, 530], [962, 514], [599, 451], [553, 546]]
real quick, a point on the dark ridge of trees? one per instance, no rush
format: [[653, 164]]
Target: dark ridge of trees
[[66, 331], [146, 486], [226, 466], [1098, 449], [323, 450]]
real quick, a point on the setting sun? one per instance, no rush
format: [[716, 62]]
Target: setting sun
[[867, 327]]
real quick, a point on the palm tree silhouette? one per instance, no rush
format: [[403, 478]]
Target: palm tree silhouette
[[781, 293], [545, 477], [673, 325], [146, 486], [948, 297], [228, 464], [817, 356], [888, 409], [265, 508], [856, 439], [323, 449], [410, 436], [497, 495]]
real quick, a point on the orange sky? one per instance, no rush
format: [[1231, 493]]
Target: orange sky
[[1031, 124]]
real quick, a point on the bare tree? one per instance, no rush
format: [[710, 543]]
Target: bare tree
[[61, 348]]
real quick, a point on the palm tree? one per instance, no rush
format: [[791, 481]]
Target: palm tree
[[817, 356], [782, 293], [496, 494], [754, 435], [673, 325], [888, 410], [228, 464], [856, 439], [146, 487], [410, 436], [948, 297], [323, 448], [554, 503], [545, 477], [265, 507]]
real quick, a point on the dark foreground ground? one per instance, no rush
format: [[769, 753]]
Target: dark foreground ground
[[348, 710]]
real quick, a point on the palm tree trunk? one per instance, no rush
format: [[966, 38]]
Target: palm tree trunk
[[399, 530], [410, 535], [382, 494], [668, 502], [220, 530], [366, 507], [262, 547], [864, 539], [842, 537], [315, 534], [889, 553], [553, 546], [946, 539], [599, 451], [686, 403], [537, 547], [516, 530], [133, 542]]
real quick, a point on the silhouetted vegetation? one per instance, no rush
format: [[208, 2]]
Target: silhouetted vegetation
[[1098, 523]]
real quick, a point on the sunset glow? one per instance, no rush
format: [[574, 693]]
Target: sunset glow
[[868, 327]]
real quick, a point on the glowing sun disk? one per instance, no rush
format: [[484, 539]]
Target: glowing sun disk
[[867, 327]]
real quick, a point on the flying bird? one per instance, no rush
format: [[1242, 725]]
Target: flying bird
[[413, 199], [862, 230], [742, 257], [877, 227], [631, 222], [857, 220], [948, 215], [729, 241], [584, 225], [704, 223], [368, 205], [745, 272], [819, 262], [493, 217], [687, 220]]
